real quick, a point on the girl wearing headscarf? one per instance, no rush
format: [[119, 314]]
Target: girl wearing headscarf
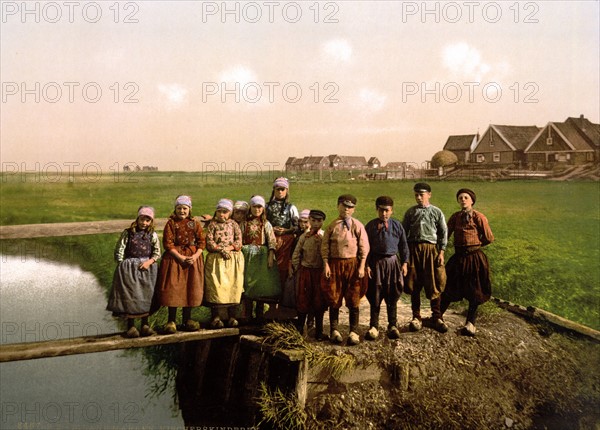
[[224, 267], [181, 274]]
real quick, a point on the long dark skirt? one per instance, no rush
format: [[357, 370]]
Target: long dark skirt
[[468, 277]]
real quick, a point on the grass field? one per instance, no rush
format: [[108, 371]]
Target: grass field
[[547, 233]]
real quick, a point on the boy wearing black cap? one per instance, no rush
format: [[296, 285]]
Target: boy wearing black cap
[[387, 265], [344, 251], [468, 269], [427, 238], [308, 264]]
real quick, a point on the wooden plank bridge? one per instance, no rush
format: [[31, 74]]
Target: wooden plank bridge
[[105, 342], [30, 231]]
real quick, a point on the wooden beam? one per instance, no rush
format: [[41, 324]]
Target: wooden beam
[[101, 343], [29, 231], [537, 314]]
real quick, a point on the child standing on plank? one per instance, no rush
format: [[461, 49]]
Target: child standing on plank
[[224, 266], [308, 264], [387, 265], [468, 269], [344, 251], [181, 274], [426, 231], [134, 279], [261, 277], [283, 216]]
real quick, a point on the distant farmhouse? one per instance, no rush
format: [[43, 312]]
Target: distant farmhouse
[[331, 162], [503, 144], [575, 141]]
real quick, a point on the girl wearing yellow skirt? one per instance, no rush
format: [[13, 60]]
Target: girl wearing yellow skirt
[[224, 266]]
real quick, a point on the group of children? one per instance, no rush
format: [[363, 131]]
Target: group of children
[[253, 248]]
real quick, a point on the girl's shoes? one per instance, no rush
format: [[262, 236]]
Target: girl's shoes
[[217, 323], [147, 331], [191, 325], [170, 328], [232, 322], [132, 332]]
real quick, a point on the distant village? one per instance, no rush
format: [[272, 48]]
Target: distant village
[[557, 146], [136, 168], [574, 142]]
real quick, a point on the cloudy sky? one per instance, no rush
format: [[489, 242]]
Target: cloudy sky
[[181, 85]]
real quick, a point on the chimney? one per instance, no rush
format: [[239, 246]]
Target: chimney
[[582, 122]]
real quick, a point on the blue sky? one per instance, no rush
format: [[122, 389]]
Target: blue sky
[[181, 84]]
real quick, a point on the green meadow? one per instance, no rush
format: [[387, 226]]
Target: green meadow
[[547, 233]]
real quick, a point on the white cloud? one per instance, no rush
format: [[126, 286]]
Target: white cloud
[[371, 100], [465, 61], [238, 74], [245, 83], [338, 50], [175, 95]]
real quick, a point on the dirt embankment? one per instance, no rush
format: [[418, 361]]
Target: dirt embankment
[[512, 374]]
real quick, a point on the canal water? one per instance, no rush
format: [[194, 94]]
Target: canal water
[[42, 300]]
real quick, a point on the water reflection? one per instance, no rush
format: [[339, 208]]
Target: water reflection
[[41, 300]]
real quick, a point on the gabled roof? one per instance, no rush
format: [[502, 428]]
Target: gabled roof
[[290, 160], [588, 129], [573, 137], [373, 160], [459, 143], [516, 137], [579, 134]]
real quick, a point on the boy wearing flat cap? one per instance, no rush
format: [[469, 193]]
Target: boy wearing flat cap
[[308, 264], [344, 251], [468, 269], [427, 238], [387, 265]]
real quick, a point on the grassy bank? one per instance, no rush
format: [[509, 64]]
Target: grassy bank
[[547, 233]]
